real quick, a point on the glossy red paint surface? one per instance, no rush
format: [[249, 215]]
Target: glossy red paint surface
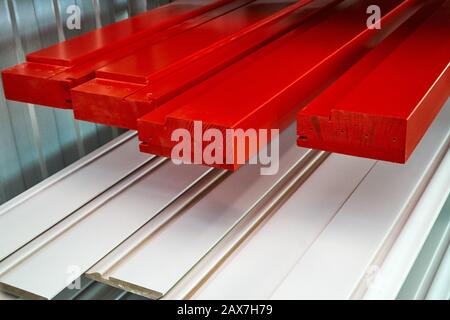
[[59, 68], [266, 89], [100, 41], [382, 107], [254, 64], [122, 103], [156, 60]]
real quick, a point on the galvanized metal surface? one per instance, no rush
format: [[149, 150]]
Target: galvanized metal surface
[[35, 142], [67, 250], [67, 191], [86, 289], [91, 290]]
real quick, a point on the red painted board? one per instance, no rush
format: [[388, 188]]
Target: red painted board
[[114, 36], [120, 104], [266, 89], [30, 77], [382, 107]]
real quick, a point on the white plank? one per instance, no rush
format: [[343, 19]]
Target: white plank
[[30, 214], [260, 264], [47, 265], [406, 249], [440, 288], [155, 260], [341, 262]]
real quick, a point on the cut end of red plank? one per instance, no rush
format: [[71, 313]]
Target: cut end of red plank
[[199, 143], [104, 101], [32, 83]]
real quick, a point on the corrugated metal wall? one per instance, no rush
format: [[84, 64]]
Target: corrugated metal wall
[[36, 142]]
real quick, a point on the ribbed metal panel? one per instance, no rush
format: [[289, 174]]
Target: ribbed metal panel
[[38, 142]]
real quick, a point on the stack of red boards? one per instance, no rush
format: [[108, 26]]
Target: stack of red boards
[[55, 70], [254, 64]]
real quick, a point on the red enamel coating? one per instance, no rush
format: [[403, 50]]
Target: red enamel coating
[[121, 104], [266, 89], [57, 69], [382, 107], [100, 41]]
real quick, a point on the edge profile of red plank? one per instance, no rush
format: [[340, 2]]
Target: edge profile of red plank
[[121, 103], [382, 107], [57, 69]]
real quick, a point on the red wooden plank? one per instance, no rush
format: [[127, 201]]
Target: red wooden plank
[[266, 89], [383, 106], [121, 104], [27, 80], [114, 36]]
